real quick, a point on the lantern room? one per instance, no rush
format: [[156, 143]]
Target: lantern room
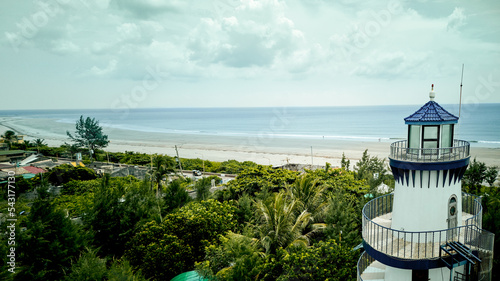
[[431, 127]]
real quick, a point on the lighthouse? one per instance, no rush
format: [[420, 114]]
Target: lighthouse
[[427, 229]]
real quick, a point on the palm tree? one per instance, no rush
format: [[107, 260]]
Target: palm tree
[[161, 167], [309, 195], [26, 145], [279, 225], [39, 143]]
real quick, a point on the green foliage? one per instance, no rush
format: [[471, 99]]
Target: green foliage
[[491, 222], [345, 163], [491, 175], [200, 223], [130, 157], [203, 185], [74, 205], [310, 196], [65, 173], [88, 267], [280, 224], [340, 179], [121, 270], [48, 245], [343, 218], [236, 258], [254, 180], [88, 134], [474, 176], [116, 212], [164, 250], [245, 211], [21, 185], [159, 255], [8, 137], [175, 195], [162, 167], [79, 187], [372, 169], [326, 260]]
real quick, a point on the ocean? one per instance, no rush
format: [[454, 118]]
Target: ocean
[[479, 123]]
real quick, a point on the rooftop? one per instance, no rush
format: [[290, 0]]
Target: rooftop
[[431, 112], [11, 152]]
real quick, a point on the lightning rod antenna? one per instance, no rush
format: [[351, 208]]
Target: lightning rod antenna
[[461, 81]]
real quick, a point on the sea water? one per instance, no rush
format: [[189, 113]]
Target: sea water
[[479, 123]]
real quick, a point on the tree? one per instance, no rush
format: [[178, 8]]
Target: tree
[[491, 175], [474, 176], [164, 250], [116, 213], [327, 260], [176, 195], [9, 136], [88, 267], [236, 258], [39, 143], [88, 134], [371, 169], [343, 219], [158, 254], [279, 225], [202, 187], [66, 173], [49, 244], [162, 166], [345, 163], [310, 196]]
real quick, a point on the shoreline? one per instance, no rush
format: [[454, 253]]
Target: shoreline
[[264, 150]]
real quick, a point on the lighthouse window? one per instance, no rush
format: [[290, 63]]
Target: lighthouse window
[[414, 136], [447, 135], [431, 132], [430, 138]]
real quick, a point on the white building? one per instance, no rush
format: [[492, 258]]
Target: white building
[[427, 229]]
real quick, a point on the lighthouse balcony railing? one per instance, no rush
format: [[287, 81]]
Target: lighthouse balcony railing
[[378, 234], [364, 262], [401, 151]]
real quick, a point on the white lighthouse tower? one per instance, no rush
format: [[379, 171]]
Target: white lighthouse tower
[[427, 229]]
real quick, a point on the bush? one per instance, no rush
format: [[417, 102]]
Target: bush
[[65, 173]]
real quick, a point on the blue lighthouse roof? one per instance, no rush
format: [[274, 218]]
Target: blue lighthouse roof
[[431, 114]]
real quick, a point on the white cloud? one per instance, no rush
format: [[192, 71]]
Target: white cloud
[[308, 44], [106, 70], [456, 20], [65, 47]]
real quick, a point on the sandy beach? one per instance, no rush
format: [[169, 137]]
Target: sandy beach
[[265, 149]]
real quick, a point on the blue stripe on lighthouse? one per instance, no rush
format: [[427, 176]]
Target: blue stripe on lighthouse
[[429, 166], [455, 170]]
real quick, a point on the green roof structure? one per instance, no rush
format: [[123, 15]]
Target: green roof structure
[[188, 276]]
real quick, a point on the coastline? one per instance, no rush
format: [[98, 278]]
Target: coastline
[[264, 149]]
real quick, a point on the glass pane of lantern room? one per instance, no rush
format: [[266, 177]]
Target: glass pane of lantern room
[[447, 135], [414, 137], [430, 132]]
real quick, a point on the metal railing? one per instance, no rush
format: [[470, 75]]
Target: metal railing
[[471, 204], [478, 240], [425, 244], [401, 151], [363, 263], [416, 244]]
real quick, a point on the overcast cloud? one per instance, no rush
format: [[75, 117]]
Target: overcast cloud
[[154, 53]]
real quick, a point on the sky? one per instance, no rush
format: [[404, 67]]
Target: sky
[[86, 54]]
